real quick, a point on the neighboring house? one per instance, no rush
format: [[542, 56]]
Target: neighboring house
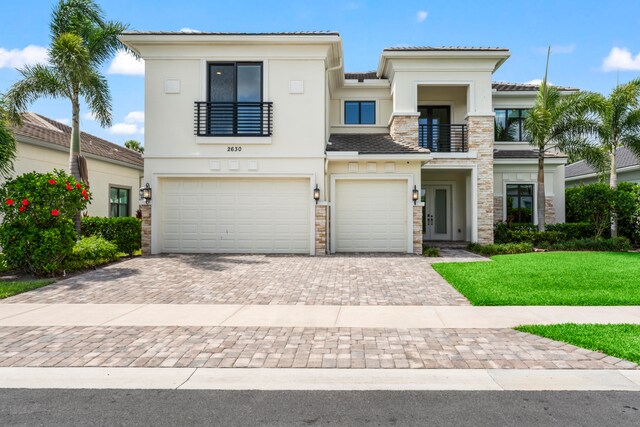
[[243, 131], [115, 172], [628, 168]]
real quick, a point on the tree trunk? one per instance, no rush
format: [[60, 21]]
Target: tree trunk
[[541, 205], [613, 183], [74, 151]]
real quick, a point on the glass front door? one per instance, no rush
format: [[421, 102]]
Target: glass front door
[[437, 212]]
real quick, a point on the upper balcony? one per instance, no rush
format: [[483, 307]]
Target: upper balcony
[[229, 119]]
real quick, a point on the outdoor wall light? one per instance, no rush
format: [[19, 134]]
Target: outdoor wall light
[[415, 194], [145, 193], [316, 194]]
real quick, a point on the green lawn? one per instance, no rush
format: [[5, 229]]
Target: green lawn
[[621, 341], [549, 278], [8, 289]]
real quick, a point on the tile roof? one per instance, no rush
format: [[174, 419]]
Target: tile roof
[[448, 48], [370, 143], [217, 33], [51, 132], [360, 76], [524, 87], [522, 154], [624, 159]]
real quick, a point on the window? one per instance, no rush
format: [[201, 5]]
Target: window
[[359, 113], [509, 124], [118, 201], [520, 203]]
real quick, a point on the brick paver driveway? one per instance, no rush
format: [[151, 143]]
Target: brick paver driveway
[[256, 279]]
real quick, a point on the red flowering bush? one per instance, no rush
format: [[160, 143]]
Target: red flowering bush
[[37, 233]]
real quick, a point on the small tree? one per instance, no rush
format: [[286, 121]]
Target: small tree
[[37, 233], [134, 145]]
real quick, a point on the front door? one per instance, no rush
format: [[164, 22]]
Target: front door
[[437, 212], [434, 127]]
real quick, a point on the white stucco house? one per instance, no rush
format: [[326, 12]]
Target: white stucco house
[[115, 172], [628, 168], [262, 143]]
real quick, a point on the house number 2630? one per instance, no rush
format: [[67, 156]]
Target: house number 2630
[[234, 149]]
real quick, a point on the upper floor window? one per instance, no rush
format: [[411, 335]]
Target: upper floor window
[[118, 201], [359, 113], [235, 82], [509, 125]]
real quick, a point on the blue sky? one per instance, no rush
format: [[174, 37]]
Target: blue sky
[[595, 43]]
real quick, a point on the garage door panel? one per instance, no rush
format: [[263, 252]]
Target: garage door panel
[[371, 216], [240, 216]]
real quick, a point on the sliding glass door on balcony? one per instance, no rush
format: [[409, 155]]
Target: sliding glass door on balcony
[[434, 127]]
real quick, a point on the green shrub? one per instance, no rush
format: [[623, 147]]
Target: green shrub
[[430, 252], [37, 233], [526, 233], [573, 230], [89, 252], [124, 232], [627, 207], [500, 249], [617, 244]]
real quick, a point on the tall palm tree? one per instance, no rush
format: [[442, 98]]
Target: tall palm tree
[[557, 122], [618, 125], [7, 146], [81, 42]]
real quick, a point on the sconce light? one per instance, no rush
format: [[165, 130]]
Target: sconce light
[[316, 194], [415, 194], [145, 193]]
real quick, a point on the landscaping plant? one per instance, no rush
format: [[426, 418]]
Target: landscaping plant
[[124, 232], [37, 234]]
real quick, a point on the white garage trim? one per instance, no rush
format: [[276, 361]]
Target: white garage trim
[[377, 177], [155, 184]]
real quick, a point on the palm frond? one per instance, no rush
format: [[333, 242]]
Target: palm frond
[[95, 90], [7, 146], [69, 16]]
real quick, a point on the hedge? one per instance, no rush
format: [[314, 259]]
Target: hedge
[[528, 233], [500, 249], [124, 232]]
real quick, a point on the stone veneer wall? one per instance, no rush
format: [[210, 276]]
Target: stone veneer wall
[[417, 230], [497, 209], [404, 129], [321, 230], [146, 229], [481, 139], [550, 210]]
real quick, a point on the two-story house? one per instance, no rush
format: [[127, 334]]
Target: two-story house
[[261, 143]]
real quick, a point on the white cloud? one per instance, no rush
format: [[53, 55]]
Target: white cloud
[[125, 63], [421, 15], [124, 129], [189, 30], [17, 58], [134, 117], [64, 121], [89, 116], [537, 82], [620, 58]]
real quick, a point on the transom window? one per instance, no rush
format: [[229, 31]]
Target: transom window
[[119, 201], [509, 124], [520, 203], [359, 113]]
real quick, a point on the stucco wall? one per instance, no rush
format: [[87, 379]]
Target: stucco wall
[[102, 174]]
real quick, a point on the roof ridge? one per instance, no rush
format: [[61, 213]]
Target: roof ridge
[[38, 120]]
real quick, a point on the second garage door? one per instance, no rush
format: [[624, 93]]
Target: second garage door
[[234, 215], [371, 216]]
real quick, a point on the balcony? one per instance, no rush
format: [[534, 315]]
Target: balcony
[[441, 138], [233, 119]]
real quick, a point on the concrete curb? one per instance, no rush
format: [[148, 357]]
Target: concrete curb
[[319, 379]]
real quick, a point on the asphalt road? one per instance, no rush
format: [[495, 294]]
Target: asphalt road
[[247, 408]]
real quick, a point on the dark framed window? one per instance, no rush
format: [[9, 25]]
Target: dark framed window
[[520, 203], [119, 201], [359, 112], [509, 124]]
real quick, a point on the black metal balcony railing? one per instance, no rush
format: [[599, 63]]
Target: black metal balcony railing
[[443, 138], [233, 118]]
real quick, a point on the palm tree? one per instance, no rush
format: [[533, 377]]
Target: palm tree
[[134, 145], [557, 122], [618, 125], [7, 146], [81, 42]]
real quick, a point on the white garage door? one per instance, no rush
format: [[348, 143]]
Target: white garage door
[[234, 215], [371, 216]]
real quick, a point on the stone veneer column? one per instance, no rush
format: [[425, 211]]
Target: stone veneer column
[[146, 229], [497, 209], [550, 210], [321, 230], [404, 128], [417, 229], [481, 139]]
